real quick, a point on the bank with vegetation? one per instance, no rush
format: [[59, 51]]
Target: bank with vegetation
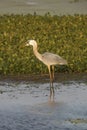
[[63, 35]]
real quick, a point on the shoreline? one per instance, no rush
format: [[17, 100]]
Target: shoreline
[[43, 78]]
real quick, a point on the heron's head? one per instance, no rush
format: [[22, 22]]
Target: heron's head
[[32, 43]]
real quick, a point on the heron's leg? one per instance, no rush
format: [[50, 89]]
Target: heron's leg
[[52, 71], [50, 81]]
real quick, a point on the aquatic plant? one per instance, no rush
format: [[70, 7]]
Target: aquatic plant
[[63, 35], [78, 121]]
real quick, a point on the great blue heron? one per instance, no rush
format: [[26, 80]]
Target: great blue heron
[[48, 59]]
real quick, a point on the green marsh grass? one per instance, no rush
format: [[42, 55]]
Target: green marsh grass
[[63, 35]]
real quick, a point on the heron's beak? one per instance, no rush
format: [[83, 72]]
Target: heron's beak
[[27, 44]]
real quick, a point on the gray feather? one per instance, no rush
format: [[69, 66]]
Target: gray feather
[[52, 59]]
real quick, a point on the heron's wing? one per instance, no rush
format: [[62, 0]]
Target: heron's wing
[[52, 59]]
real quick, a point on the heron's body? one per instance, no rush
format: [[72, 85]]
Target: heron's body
[[48, 59], [52, 59]]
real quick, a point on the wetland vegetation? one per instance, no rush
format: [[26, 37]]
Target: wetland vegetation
[[63, 35]]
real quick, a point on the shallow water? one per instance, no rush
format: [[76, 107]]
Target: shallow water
[[25, 105], [57, 7]]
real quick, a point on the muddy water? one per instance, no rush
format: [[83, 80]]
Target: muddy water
[[25, 105], [57, 7]]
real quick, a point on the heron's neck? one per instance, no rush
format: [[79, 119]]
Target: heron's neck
[[37, 54]]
